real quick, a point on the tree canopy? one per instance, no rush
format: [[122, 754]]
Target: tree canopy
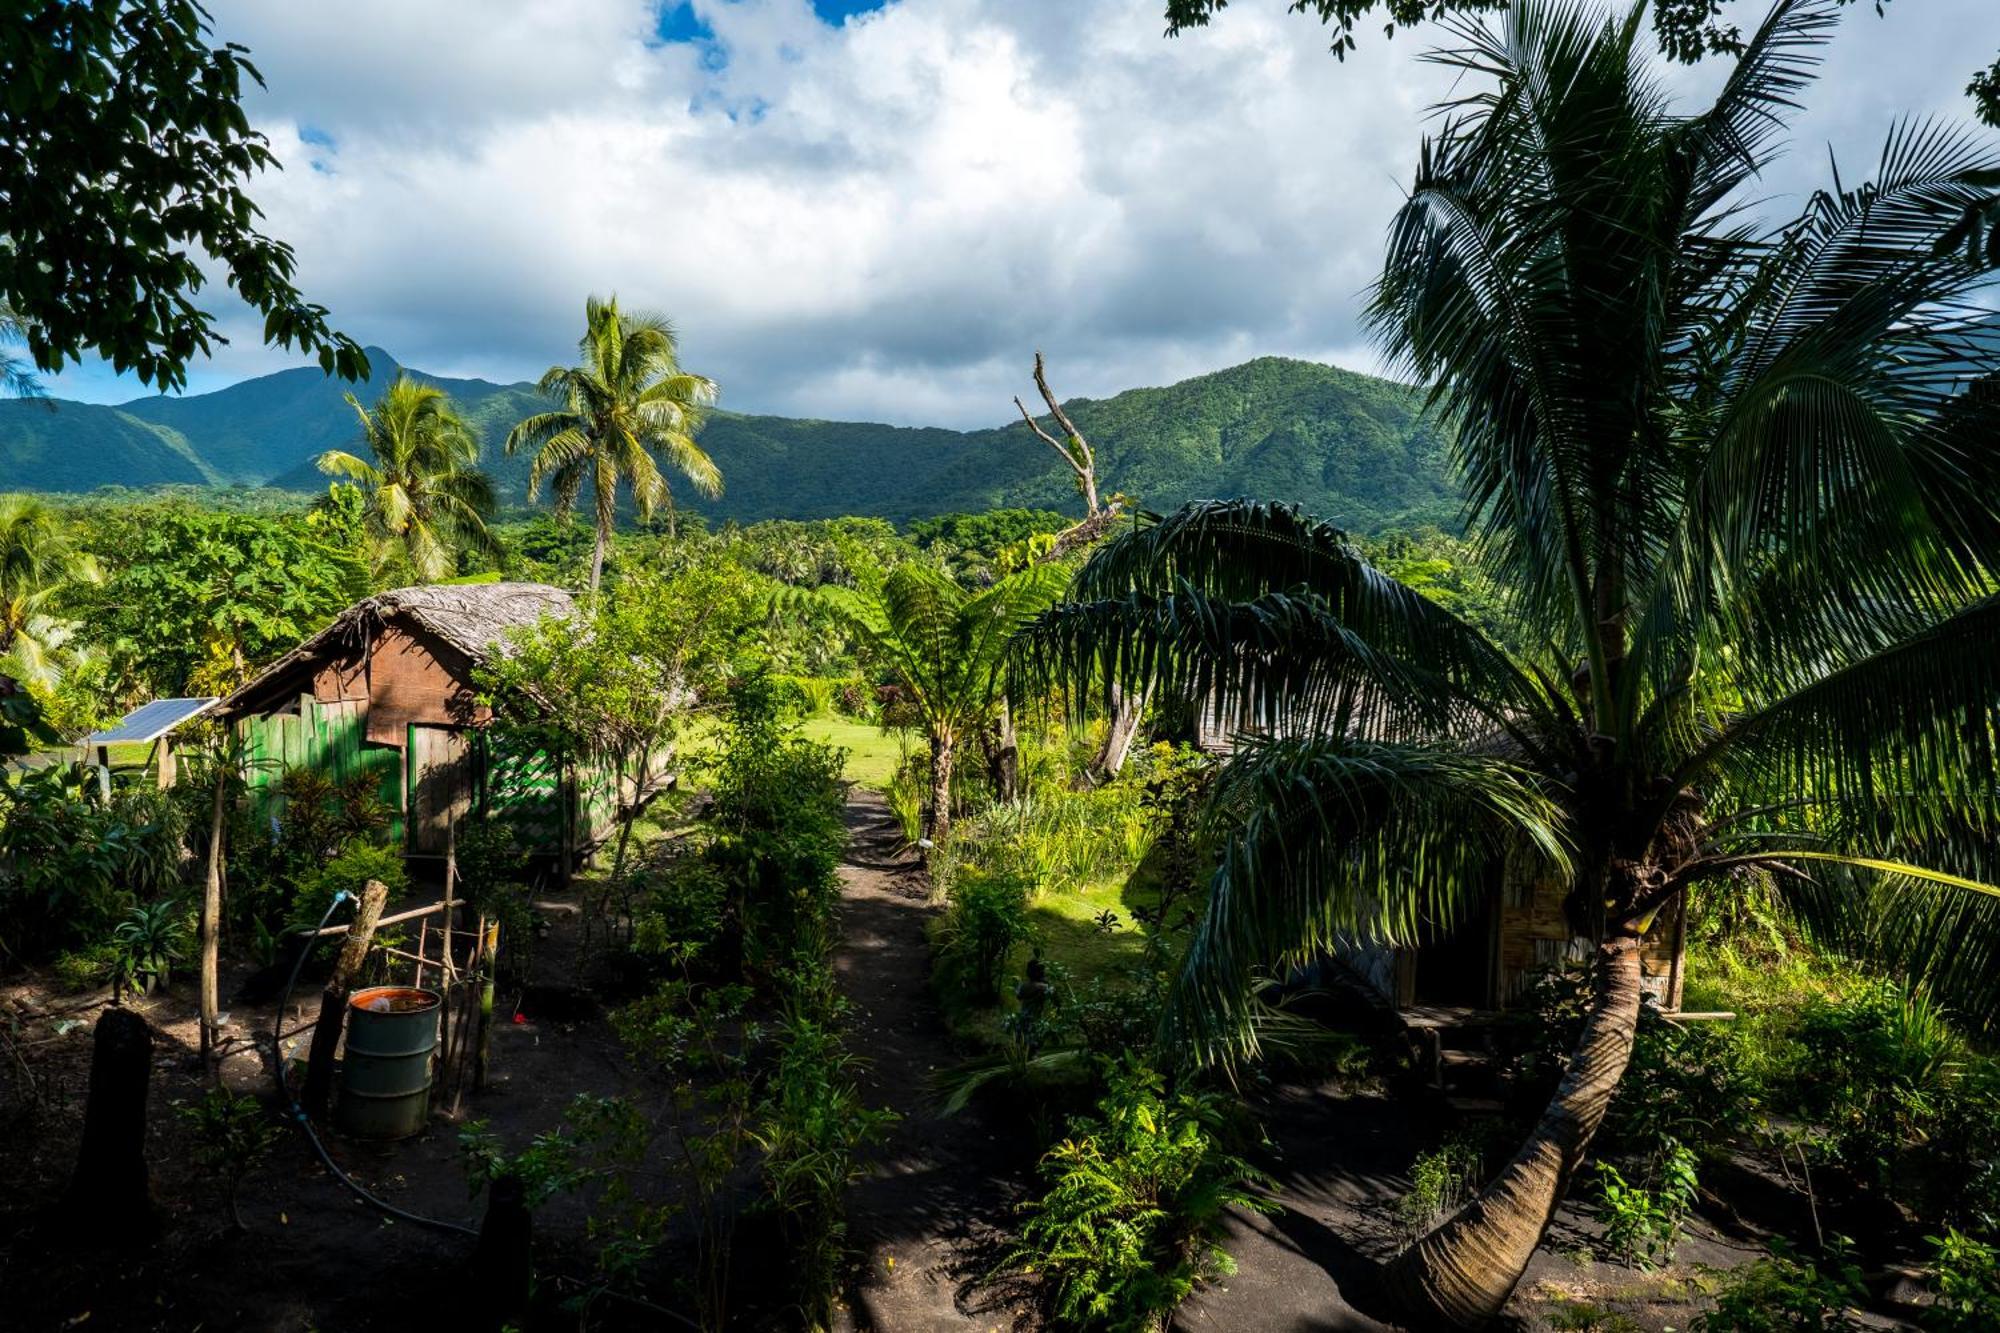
[[124, 153], [1687, 29]]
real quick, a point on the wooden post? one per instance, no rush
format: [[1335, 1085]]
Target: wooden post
[[423, 952], [333, 1000], [447, 968], [502, 1261], [211, 925], [108, 1196], [482, 1049]]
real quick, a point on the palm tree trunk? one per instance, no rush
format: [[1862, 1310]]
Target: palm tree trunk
[[1464, 1271], [597, 557], [941, 756]]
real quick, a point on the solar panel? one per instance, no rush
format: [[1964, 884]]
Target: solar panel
[[149, 722]]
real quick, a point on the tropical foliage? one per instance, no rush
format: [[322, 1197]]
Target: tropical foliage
[[947, 648], [1733, 481], [424, 498], [626, 409]]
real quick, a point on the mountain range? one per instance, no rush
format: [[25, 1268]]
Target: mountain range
[[1349, 447]]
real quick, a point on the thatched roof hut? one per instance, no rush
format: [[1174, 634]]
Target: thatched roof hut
[[388, 688]]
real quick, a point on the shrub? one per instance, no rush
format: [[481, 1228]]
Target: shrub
[[987, 917], [347, 872], [84, 969], [1878, 1070], [1786, 1294], [1135, 1199], [812, 1127], [1642, 1226], [231, 1132], [1966, 1274], [1440, 1182], [147, 943]]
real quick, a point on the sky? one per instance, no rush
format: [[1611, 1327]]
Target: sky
[[879, 209]]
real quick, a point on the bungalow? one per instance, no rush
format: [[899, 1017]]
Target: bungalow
[[387, 689]]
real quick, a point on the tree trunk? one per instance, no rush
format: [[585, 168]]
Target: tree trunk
[[333, 1000], [211, 927], [1124, 725], [1464, 1271], [1006, 763], [108, 1198], [597, 557], [940, 828]]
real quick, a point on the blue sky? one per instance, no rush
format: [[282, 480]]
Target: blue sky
[[880, 209]]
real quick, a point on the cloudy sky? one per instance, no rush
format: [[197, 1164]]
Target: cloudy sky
[[859, 209]]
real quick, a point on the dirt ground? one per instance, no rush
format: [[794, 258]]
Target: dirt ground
[[927, 1226]]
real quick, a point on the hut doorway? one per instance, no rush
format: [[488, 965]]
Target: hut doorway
[[1455, 970], [440, 777]]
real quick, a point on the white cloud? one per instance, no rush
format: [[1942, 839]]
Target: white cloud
[[885, 219]]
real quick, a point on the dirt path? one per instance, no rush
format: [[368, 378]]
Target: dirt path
[[926, 1223]]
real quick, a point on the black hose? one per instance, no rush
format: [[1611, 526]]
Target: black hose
[[298, 1113]]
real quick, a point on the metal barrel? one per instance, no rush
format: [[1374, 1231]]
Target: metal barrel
[[385, 1081]]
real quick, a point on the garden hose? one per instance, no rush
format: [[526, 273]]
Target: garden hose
[[296, 1112]]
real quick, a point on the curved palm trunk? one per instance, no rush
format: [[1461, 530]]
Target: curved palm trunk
[[1463, 1272], [941, 756]]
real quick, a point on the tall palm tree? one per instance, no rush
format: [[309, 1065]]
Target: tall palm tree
[[424, 497], [36, 563], [1740, 482], [628, 408], [948, 648]]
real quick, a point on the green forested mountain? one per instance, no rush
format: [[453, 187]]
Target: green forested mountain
[[1347, 446]]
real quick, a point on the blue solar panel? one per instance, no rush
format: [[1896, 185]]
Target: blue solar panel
[[149, 722]]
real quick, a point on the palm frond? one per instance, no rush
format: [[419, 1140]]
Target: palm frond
[[1336, 840]]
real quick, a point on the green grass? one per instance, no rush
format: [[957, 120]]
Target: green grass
[[872, 754]]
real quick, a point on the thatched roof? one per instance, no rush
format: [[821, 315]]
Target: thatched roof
[[473, 619]]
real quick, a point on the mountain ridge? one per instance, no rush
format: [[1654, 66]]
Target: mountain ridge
[[1351, 447]]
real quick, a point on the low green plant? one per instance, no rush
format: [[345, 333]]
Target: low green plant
[[1440, 1181], [232, 1131], [147, 943], [988, 915], [813, 1127], [1965, 1272], [1787, 1293], [349, 871], [1642, 1225], [85, 969], [1131, 1217], [1584, 1317]]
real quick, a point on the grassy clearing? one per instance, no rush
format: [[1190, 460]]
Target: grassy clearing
[[872, 754]]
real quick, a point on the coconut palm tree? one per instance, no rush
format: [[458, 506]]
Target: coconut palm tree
[[1741, 486], [36, 563], [947, 647], [628, 408], [424, 497]]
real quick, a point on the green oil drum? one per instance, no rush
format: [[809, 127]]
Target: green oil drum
[[385, 1081]]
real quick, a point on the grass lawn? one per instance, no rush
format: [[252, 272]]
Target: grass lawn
[[872, 754]]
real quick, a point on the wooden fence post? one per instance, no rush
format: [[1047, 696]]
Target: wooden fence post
[[333, 1000], [502, 1261], [108, 1195], [482, 1050], [211, 927]]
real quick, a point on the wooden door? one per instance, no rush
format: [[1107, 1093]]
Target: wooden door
[[438, 766]]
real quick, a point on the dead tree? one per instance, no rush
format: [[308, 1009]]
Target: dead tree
[[1123, 723], [1075, 450], [108, 1196], [333, 1000]]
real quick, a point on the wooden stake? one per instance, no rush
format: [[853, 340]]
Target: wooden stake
[[482, 1050], [108, 1196], [211, 927], [333, 1000], [423, 950]]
